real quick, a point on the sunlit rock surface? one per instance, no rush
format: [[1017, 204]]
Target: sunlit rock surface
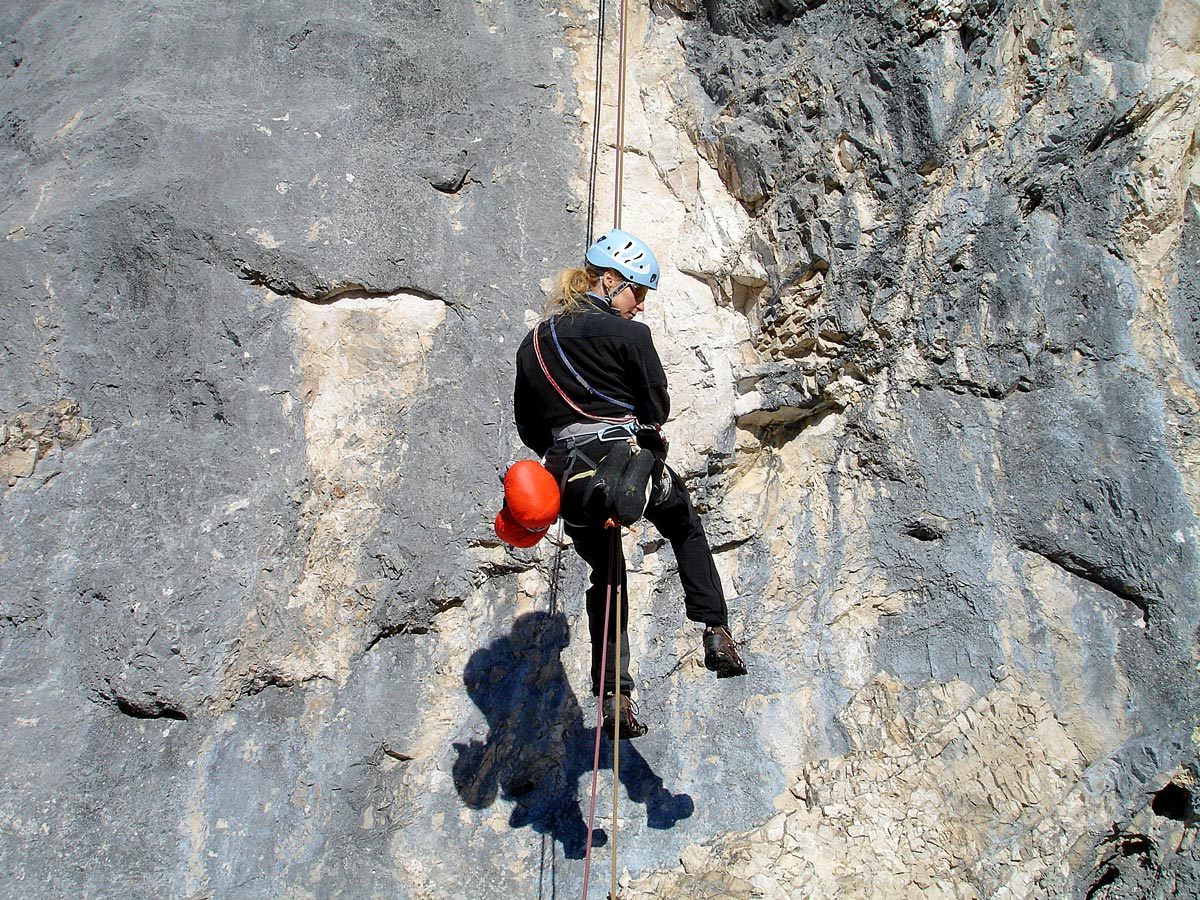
[[930, 315]]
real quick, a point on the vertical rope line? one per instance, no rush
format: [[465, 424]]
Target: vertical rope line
[[556, 569], [596, 110], [616, 532], [620, 117], [620, 595], [542, 866], [587, 853]]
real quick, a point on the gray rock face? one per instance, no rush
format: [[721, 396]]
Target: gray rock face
[[265, 270], [174, 177]]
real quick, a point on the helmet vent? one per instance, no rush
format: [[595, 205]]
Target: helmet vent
[[627, 254]]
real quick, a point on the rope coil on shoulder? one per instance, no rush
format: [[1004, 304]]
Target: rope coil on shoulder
[[582, 381], [537, 349]]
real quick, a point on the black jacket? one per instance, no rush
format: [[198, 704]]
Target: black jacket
[[615, 356]]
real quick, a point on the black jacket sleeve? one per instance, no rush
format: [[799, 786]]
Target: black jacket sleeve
[[653, 403], [529, 413]]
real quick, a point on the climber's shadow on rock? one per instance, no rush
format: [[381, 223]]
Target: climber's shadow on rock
[[538, 746]]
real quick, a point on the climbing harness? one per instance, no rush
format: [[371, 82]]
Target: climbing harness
[[605, 476]]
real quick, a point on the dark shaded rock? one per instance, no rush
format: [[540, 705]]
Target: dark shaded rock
[[1029, 424], [1185, 298], [754, 16]]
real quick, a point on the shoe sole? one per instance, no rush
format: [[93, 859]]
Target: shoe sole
[[723, 665], [625, 734]]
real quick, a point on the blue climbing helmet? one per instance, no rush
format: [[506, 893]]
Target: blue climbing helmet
[[627, 254]]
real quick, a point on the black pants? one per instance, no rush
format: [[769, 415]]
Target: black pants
[[671, 512]]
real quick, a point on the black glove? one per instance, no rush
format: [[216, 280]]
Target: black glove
[[651, 437]]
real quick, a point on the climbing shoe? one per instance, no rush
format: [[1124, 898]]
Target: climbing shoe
[[630, 726], [720, 653]]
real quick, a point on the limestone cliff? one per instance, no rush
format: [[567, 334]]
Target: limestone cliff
[[929, 312]]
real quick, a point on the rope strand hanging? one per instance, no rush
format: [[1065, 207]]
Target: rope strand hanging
[[618, 713], [615, 545], [620, 148], [597, 107], [587, 854]]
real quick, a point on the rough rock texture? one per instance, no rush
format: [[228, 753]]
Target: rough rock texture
[[930, 314]]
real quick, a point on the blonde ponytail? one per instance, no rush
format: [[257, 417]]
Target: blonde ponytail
[[572, 285]]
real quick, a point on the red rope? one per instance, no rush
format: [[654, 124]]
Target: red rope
[[537, 348]]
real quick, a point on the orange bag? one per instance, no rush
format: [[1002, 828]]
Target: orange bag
[[531, 503], [531, 494], [513, 532]]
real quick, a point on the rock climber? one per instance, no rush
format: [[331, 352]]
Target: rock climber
[[588, 375]]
